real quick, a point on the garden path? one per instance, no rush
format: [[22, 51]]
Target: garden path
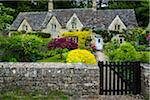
[[100, 56]]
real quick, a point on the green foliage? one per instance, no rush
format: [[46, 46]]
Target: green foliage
[[5, 17], [144, 57], [16, 33], [136, 36], [20, 94], [111, 46], [141, 47], [24, 48], [126, 52], [40, 34], [83, 37], [55, 58], [107, 35]]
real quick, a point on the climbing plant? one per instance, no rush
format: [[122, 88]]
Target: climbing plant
[[83, 37]]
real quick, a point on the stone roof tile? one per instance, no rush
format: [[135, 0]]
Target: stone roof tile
[[88, 17]]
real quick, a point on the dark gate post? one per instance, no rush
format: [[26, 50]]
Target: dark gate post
[[100, 64], [138, 73]]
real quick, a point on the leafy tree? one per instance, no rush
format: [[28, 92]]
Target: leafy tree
[[5, 17], [142, 13]]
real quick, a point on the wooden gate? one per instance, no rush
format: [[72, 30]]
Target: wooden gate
[[120, 78]]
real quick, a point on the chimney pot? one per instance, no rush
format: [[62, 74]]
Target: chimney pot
[[94, 4], [50, 5]]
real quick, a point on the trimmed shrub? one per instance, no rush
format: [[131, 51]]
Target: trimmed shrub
[[83, 56]]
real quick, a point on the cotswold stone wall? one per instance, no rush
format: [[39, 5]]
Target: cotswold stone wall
[[145, 81], [80, 79]]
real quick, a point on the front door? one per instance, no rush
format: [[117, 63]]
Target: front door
[[99, 43]]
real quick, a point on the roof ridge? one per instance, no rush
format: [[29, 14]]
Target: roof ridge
[[33, 12]]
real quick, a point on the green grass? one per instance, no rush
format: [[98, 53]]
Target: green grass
[[55, 58], [22, 95]]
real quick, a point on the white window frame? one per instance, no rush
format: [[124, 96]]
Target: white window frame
[[25, 27], [117, 27], [53, 27], [74, 23]]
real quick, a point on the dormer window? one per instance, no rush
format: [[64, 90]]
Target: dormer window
[[53, 27], [25, 27]]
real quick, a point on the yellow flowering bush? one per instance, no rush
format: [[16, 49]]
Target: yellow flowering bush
[[82, 37], [79, 55]]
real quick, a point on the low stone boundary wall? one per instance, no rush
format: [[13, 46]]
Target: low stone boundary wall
[[80, 79], [145, 81]]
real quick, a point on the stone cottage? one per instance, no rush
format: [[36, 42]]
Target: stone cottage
[[57, 21]]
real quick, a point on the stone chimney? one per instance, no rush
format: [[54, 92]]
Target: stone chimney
[[50, 5], [94, 4]]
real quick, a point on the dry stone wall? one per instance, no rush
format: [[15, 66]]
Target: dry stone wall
[[145, 81], [79, 79]]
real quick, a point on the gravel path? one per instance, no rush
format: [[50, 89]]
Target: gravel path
[[100, 56]]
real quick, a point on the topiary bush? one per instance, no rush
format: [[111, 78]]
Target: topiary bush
[[79, 55], [126, 52]]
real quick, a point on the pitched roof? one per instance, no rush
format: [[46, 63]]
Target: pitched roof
[[35, 19], [88, 17]]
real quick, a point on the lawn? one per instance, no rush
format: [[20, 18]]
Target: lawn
[[22, 95], [55, 58]]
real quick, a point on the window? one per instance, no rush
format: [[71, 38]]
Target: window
[[121, 40], [73, 39], [53, 27], [74, 24], [117, 27], [99, 40], [25, 27]]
